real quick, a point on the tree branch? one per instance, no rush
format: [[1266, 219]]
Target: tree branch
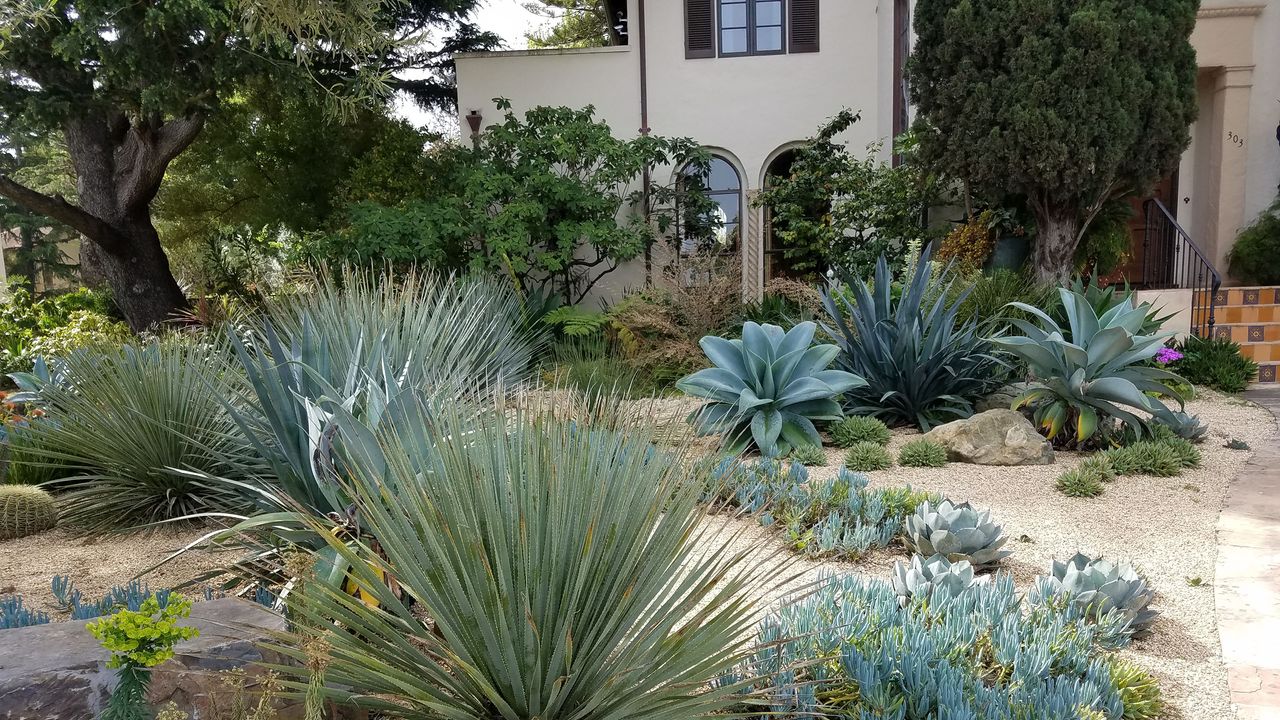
[[56, 208], [147, 153]]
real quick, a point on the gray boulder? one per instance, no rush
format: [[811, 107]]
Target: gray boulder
[[994, 437], [1001, 399]]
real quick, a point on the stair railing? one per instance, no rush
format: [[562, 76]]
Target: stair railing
[[1171, 259]]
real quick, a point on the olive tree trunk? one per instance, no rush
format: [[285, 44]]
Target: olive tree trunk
[[1057, 235]]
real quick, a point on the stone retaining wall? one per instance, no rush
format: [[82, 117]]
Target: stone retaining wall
[[59, 671]]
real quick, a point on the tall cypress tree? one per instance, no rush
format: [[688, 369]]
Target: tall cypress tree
[[1067, 102]]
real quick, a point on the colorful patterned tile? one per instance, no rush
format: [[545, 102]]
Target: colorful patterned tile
[[1250, 297], [1257, 333], [1267, 374], [1223, 332]]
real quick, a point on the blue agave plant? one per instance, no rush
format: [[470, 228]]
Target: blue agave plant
[[767, 388]]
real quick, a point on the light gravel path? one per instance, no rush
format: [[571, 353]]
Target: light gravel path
[[1248, 577]]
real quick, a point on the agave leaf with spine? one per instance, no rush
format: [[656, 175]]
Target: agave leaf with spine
[[569, 572], [921, 366], [1095, 378], [767, 388]]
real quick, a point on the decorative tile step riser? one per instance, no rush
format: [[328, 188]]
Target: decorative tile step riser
[[1268, 332], [1245, 296], [1247, 314], [1266, 373]]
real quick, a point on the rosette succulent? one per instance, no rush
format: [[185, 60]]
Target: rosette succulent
[[956, 532], [767, 388], [934, 578], [1100, 586]]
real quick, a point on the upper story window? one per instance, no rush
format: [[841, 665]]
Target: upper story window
[[750, 27]]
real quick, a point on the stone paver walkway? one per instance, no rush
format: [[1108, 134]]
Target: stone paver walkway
[[1247, 589]]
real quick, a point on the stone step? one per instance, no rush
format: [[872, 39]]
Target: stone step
[[1247, 314]]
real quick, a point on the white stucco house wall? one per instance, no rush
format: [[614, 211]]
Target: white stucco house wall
[[750, 79]]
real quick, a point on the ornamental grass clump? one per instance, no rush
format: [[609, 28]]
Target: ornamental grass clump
[[922, 453], [867, 457], [569, 571], [768, 388], [859, 428]]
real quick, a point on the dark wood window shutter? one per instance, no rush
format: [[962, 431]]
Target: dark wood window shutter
[[804, 26], [699, 29]]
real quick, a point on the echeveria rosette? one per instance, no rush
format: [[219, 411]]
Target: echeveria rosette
[[767, 388], [956, 531]]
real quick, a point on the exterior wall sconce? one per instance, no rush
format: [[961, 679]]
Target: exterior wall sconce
[[474, 118]]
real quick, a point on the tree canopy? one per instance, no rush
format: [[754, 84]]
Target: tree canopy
[[130, 86], [573, 23], [1067, 102]]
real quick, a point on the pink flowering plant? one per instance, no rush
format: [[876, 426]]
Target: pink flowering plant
[[1166, 355]]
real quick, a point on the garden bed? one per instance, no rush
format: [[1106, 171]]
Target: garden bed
[[1165, 526]]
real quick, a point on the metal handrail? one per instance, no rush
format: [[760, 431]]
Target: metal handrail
[[1171, 259]]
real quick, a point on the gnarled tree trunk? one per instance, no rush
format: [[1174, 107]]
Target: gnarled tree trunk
[[119, 163], [1057, 235]]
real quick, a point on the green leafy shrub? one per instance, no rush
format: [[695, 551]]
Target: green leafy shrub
[[969, 244], [25, 510], [860, 428], [536, 490], [1216, 363], [1145, 458], [921, 367], [867, 456], [572, 321], [1255, 257], [1095, 380], [841, 518], [1099, 586], [767, 388], [140, 640], [53, 326], [922, 453], [809, 455], [847, 649], [957, 532], [139, 431]]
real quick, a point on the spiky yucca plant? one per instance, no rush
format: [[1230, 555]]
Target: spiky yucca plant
[[137, 432], [568, 571]]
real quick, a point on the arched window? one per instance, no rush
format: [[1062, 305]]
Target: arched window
[[720, 227], [776, 263]]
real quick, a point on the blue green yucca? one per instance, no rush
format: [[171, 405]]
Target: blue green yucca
[[1096, 378], [851, 649], [136, 433], [569, 572], [921, 366]]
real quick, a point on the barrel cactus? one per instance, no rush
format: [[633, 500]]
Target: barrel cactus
[[956, 532], [25, 510], [1099, 586], [934, 578]]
